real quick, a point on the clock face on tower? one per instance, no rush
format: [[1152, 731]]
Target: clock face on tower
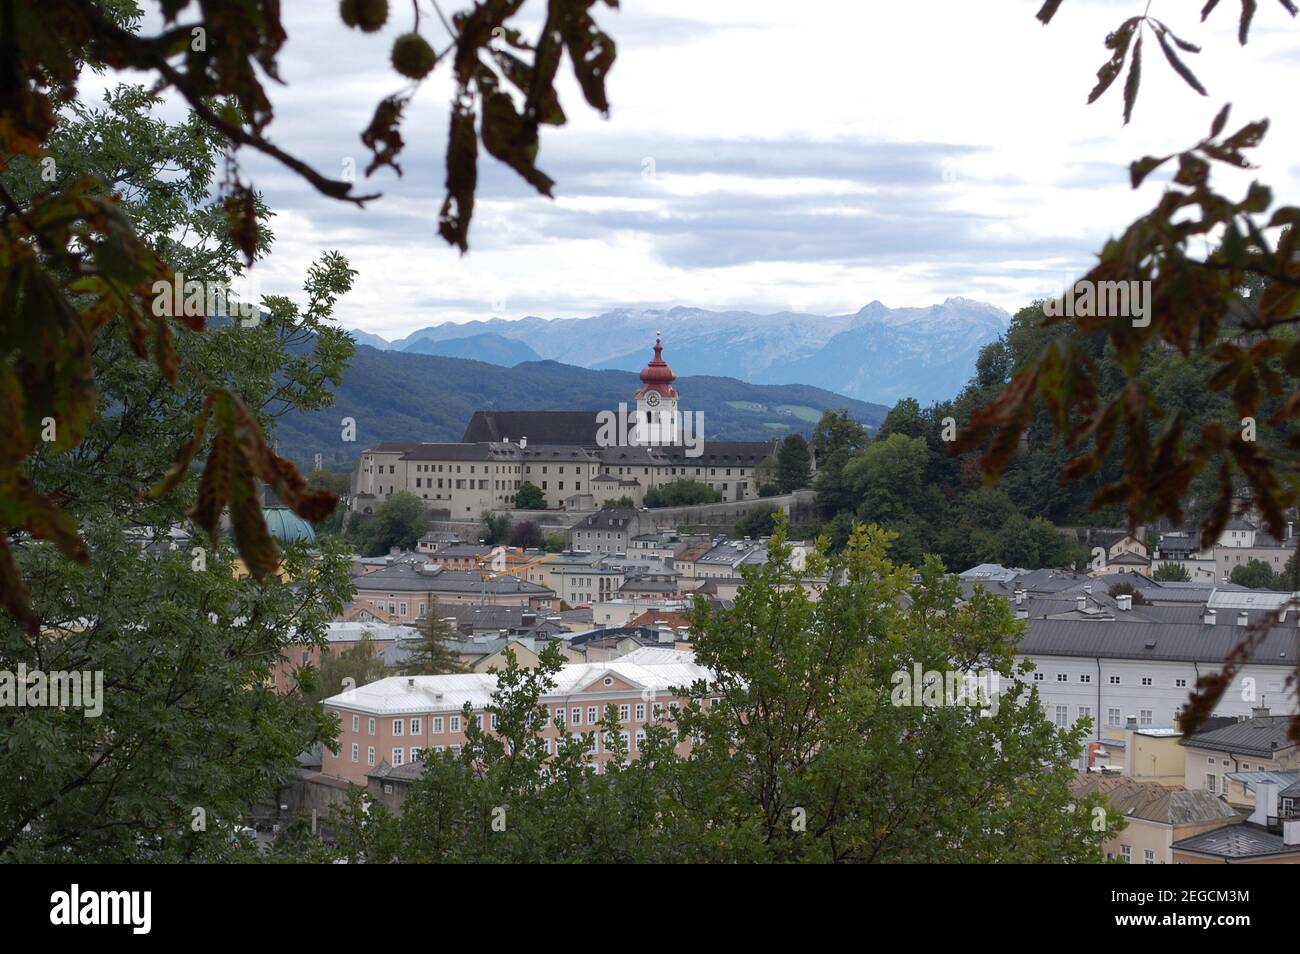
[[652, 399]]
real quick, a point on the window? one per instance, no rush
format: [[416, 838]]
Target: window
[[478, 720], [401, 609], [1210, 761], [623, 712], [1114, 680], [1038, 677], [370, 755], [1112, 717], [640, 739], [356, 723], [1085, 677], [397, 757], [559, 718], [437, 725], [1148, 856], [640, 712], [398, 726], [415, 727], [1146, 680], [415, 753], [1180, 683], [494, 720], [577, 715], [1211, 782], [370, 726], [1062, 677], [1062, 716], [455, 723], [1144, 717], [1126, 852], [356, 752], [592, 715], [1085, 712]]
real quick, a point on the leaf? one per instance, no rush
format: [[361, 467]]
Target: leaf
[[1220, 121], [1117, 42], [383, 137], [1179, 66], [592, 52], [1048, 10], [508, 138], [1248, 8], [462, 179], [1134, 79], [1139, 170], [241, 211]]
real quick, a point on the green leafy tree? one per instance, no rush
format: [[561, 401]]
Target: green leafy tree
[[401, 521], [760, 522], [793, 463], [428, 653], [191, 732], [680, 493], [1171, 573], [1255, 574], [624, 502], [496, 528], [359, 663], [554, 543], [809, 755], [530, 497]]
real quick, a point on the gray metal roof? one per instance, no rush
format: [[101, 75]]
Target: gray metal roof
[[1179, 642], [1264, 736], [1237, 841]]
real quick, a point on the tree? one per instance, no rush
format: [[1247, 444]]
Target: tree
[[793, 463], [526, 535], [1171, 573], [401, 521], [760, 522], [1126, 588], [811, 753], [530, 497], [191, 732], [428, 654], [554, 543], [1255, 574], [624, 502], [496, 528], [358, 663], [1216, 288], [680, 493]]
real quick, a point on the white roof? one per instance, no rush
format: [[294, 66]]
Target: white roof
[[1250, 599], [352, 631], [646, 668]]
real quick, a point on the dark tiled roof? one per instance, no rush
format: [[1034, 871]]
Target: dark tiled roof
[[1263, 736], [1237, 841], [619, 518], [1166, 804], [540, 427], [1186, 642], [405, 577], [393, 447], [468, 452]]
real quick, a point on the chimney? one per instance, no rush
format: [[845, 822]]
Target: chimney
[[411, 682], [1087, 588], [1210, 617], [1125, 601], [523, 442], [1081, 603], [1243, 618], [1265, 803], [1131, 722], [1020, 597], [1290, 529], [528, 619], [1259, 712]]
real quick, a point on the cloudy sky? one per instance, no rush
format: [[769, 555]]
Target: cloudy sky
[[765, 155]]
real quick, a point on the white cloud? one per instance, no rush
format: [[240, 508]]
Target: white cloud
[[819, 154]]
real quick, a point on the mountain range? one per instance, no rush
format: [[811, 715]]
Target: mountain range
[[404, 395], [876, 354]]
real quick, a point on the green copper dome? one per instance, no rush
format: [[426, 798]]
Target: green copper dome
[[287, 527]]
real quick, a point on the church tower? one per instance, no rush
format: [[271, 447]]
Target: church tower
[[657, 418]]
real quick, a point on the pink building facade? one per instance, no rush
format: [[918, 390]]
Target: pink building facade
[[394, 720]]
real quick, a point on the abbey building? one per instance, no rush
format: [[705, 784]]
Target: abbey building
[[578, 459]]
